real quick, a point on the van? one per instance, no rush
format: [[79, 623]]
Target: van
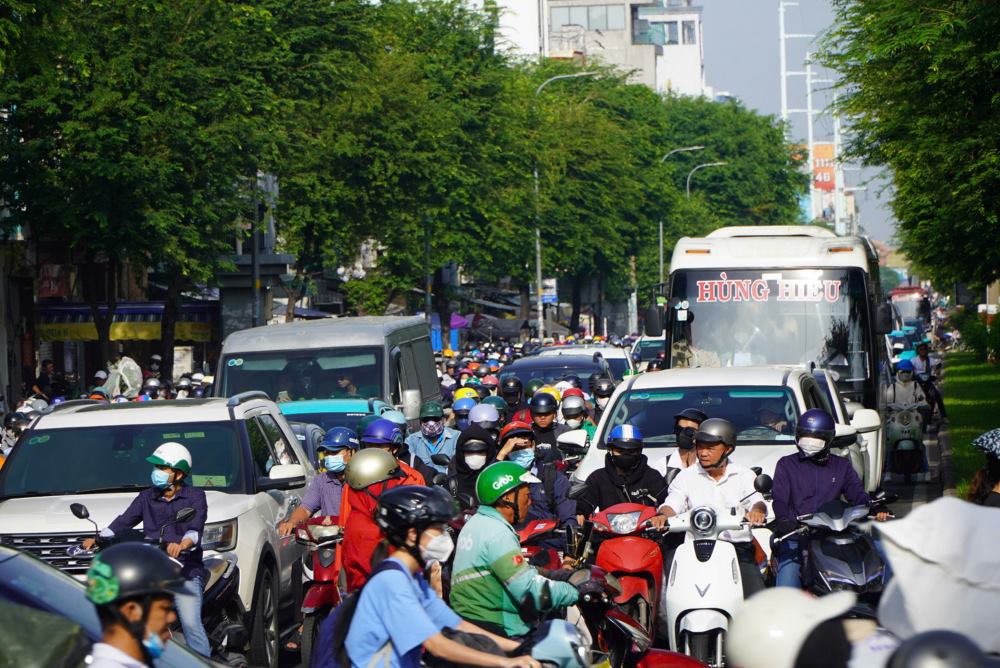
[[370, 357]]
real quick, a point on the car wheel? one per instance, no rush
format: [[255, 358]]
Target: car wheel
[[264, 625]]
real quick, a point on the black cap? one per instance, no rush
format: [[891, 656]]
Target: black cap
[[693, 414]]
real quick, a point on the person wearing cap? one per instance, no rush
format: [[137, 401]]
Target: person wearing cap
[[325, 491], [626, 477], [156, 507], [155, 361], [434, 438], [100, 377], [718, 482], [493, 585], [685, 427], [476, 449]]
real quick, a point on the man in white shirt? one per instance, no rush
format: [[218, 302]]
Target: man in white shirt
[[715, 481]]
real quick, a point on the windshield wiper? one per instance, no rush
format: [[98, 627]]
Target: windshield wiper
[[106, 490], [4, 497]]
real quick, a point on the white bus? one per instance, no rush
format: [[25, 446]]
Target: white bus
[[745, 296]]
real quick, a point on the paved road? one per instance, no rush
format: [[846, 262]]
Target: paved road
[[918, 493]]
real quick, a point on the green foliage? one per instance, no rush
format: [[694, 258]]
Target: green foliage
[[920, 91], [971, 396], [890, 280]]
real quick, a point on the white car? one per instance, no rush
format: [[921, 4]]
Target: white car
[[246, 458], [650, 401], [618, 358], [865, 449], [645, 349]]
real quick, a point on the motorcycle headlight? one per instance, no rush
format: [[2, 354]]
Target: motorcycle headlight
[[220, 536], [624, 523], [703, 520], [323, 531]]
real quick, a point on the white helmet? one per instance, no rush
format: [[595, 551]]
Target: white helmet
[[771, 627], [197, 378], [101, 374], [172, 454]]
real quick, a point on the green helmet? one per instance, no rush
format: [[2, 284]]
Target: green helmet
[[370, 466], [499, 404], [533, 386], [499, 478], [431, 410]]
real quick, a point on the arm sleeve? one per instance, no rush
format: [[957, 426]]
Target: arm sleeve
[[196, 527], [521, 579], [129, 518], [586, 504], [781, 493], [853, 488], [403, 615], [676, 498], [658, 484], [565, 506]]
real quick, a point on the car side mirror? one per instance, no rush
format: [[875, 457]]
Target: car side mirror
[[441, 459], [573, 442], [845, 436], [283, 476], [763, 483], [184, 515], [866, 420], [411, 404], [577, 490], [79, 511], [653, 321], [852, 407]]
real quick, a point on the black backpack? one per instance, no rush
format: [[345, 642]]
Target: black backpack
[[549, 485], [330, 650]]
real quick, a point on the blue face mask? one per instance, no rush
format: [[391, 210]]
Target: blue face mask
[[523, 458], [462, 423], [334, 463], [161, 479], [154, 645]]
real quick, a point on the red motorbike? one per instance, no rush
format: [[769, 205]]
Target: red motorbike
[[321, 537], [620, 606], [538, 555]]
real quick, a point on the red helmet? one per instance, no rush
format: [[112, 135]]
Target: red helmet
[[573, 392], [516, 428], [491, 381], [523, 415]]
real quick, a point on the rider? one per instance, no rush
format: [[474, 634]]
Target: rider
[[718, 482], [398, 614], [603, 389], [156, 507], [385, 435], [475, 451], [626, 476], [543, 414], [434, 438], [922, 364], [512, 391], [325, 492], [574, 412], [492, 582], [904, 390], [685, 427], [487, 417], [503, 410], [460, 409], [804, 481], [133, 586]]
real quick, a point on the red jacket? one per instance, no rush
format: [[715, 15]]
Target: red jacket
[[361, 534]]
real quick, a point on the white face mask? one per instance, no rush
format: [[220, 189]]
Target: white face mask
[[574, 423], [811, 446], [602, 402], [438, 548], [475, 462], [904, 376]]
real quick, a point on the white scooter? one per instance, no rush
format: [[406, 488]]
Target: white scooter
[[704, 587]]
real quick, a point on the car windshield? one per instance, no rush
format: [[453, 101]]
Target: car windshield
[[553, 373], [754, 317], [762, 415], [294, 375], [649, 349], [77, 460], [618, 366]]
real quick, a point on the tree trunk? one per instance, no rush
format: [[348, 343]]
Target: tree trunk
[[168, 324], [525, 311], [599, 325], [576, 298], [442, 304], [294, 294]]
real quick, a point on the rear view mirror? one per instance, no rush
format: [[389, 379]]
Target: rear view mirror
[[577, 490], [184, 515], [845, 436], [573, 442], [411, 404], [756, 470], [79, 511], [441, 459], [439, 480], [653, 321], [282, 476], [866, 420], [763, 483], [883, 496], [883, 319]]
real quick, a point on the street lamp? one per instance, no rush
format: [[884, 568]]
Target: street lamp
[[684, 149], [538, 229], [701, 166]]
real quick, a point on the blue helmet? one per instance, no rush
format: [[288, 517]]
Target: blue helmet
[[904, 365], [395, 417], [817, 423], [340, 438], [382, 432], [464, 405], [625, 437]]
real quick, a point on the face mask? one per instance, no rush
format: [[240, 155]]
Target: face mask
[[154, 367], [811, 446], [432, 428], [602, 402], [574, 423], [625, 462], [161, 479], [523, 458], [334, 463], [475, 462], [154, 645], [438, 548], [685, 437], [905, 376], [462, 423]]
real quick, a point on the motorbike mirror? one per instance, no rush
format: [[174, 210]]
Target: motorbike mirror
[[756, 470], [763, 483], [439, 479], [467, 501], [79, 511], [653, 321], [184, 515], [441, 459], [883, 496], [577, 490]]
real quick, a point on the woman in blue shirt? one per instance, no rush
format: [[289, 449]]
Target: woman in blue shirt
[[399, 615]]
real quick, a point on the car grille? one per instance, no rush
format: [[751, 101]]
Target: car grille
[[51, 548]]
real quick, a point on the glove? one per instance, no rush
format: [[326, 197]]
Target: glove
[[563, 594], [783, 527]]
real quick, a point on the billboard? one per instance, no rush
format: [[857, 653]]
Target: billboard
[[823, 166]]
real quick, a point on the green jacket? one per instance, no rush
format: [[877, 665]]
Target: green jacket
[[490, 576]]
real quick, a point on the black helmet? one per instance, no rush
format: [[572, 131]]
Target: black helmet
[[656, 365], [412, 507], [482, 371], [939, 649], [451, 364], [693, 414], [592, 380], [604, 387], [543, 403], [8, 420], [573, 380], [716, 430], [511, 386], [132, 570], [19, 421]]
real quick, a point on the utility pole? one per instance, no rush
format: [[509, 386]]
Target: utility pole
[[255, 256], [683, 149], [783, 54], [839, 200], [810, 137]]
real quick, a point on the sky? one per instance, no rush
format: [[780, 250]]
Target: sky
[[742, 58]]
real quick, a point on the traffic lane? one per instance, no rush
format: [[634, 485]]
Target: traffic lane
[[919, 492]]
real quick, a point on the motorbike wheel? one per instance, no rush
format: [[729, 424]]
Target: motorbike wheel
[[310, 631], [700, 646]]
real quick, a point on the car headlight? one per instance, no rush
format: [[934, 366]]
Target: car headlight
[[624, 522], [220, 536]]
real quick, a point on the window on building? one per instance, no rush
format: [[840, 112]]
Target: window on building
[[688, 32], [593, 17], [560, 17], [578, 16], [616, 17], [597, 18], [670, 33]]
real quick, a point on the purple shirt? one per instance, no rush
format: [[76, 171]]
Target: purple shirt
[[801, 485], [154, 511], [324, 494]]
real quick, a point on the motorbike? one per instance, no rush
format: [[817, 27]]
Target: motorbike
[[320, 536], [704, 588], [222, 611], [573, 445], [839, 555], [905, 439]]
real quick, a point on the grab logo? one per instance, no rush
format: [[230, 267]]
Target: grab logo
[[503, 481]]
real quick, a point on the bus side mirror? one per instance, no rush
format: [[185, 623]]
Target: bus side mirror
[[883, 319], [653, 321]]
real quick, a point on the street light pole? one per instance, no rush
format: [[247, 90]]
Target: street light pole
[[538, 227], [701, 166], [684, 149]]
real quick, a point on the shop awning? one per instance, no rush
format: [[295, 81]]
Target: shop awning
[[133, 321]]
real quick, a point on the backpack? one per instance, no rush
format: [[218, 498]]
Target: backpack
[[331, 650], [549, 485]]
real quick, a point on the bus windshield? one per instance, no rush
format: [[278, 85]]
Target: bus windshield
[[293, 375], [780, 316]]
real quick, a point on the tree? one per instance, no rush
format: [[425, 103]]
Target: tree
[[919, 88]]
